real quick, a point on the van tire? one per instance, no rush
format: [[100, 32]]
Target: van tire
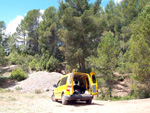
[[64, 101], [88, 101], [53, 98]]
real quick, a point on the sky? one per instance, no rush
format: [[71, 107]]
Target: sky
[[13, 11]]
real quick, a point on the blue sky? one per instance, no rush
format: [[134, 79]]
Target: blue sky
[[12, 11]]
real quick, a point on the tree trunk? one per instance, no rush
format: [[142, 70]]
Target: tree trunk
[[83, 69]]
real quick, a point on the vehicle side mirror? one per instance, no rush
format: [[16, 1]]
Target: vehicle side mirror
[[54, 85]]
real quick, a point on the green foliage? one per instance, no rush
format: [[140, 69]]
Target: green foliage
[[36, 63], [33, 64], [107, 59], [2, 90], [38, 91], [52, 64], [79, 33], [18, 74], [139, 54], [13, 57], [2, 55], [28, 30], [44, 59], [141, 93], [20, 59], [128, 97], [44, 63], [18, 88], [2, 26], [117, 98], [47, 31]]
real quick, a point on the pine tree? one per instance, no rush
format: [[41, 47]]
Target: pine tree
[[31, 22], [48, 28], [106, 60], [79, 32], [139, 50], [2, 53], [22, 32]]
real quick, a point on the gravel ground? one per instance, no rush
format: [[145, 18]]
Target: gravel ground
[[41, 103], [41, 80]]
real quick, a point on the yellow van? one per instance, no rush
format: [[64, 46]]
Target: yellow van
[[76, 86]]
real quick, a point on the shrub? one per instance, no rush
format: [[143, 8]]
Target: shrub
[[33, 64], [141, 92], [43, 61], [38, 91], [18, 88], [2, 90], [38, 66], [13, 57], [52, 64], [18, 74]]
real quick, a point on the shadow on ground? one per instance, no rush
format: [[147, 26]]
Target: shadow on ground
[[80, 103], [6, 82]]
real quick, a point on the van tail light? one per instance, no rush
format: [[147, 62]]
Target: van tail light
[[68, 88]]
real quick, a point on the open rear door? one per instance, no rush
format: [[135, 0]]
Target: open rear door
[[94, 86], [71, 82]]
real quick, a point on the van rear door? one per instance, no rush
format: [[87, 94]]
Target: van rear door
[[71, 82], [94, 86]]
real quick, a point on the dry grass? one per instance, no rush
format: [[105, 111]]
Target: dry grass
[[20, 102]]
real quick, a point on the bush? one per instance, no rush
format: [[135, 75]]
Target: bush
[[18, 88], [13, 57], [2, 90], [140, 92], [43, 61], [38, 91], [18, 74], [52, 64], [20, 59], [33, 64], [36, 64]]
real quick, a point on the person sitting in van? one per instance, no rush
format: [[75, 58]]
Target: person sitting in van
[[82, 88], [76, 88]]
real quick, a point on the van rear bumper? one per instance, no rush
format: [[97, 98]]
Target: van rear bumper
[[79, 97]]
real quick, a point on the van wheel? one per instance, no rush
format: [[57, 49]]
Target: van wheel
[[64, 101], [88, 101], [53, 98]]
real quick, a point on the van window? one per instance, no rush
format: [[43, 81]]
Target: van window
[[63, 81], [94, 79], [87, 82], [58, 83]]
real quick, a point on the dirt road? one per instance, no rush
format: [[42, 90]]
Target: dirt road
[[41, 103]]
